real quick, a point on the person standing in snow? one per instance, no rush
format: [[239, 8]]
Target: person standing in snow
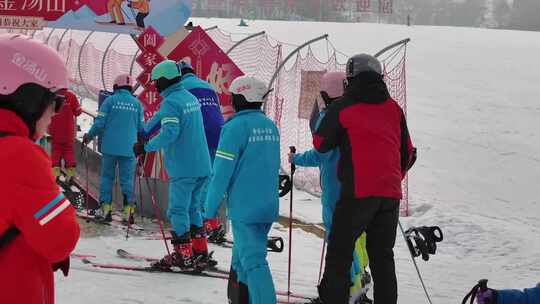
[[38, 227], [376, 151], [187, 162], [246, 168], [332, 87], [119, 119], [213, 122], [62, 131]]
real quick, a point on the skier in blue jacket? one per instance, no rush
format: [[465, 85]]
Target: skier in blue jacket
[[509, 296], [187, 163], [332, 88], [119, 119], [213, 122], [246, 168]]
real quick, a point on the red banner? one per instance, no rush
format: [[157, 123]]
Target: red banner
[[210, 63], [363, 5], [385, 6]]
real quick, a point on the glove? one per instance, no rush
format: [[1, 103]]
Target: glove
[[64, 266], [488, 296], [291, 157], [138, 149], [86, 139]]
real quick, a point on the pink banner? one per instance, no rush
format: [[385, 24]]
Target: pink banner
[[210, 63]]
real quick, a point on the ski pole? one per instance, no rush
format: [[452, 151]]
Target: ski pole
[[158, 217], [415, 265], [292, 149], [84, 154], [322, 260], [141, 197]]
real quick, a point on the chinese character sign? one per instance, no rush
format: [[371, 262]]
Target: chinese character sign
[[309, 93], [149, 42], [385, 7], [210, 64], [117, 16]]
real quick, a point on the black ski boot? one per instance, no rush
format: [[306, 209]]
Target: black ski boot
[[103, 213], [181, 257], [215, 231], [200, 248]]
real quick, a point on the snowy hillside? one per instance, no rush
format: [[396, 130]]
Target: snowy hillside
[[474, 115]]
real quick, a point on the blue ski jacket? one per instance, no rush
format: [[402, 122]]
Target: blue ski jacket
[[246, 168], [210, 107], [119, 119], [514, 296], [181, 134], [327, 163]]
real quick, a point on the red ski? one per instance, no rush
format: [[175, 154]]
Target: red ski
[[127, 255], [193, 272]]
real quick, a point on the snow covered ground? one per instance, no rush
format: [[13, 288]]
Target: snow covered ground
[[473, 114]]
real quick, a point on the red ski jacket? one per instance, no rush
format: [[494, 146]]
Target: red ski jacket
[[62, 128], [32, 203], [371, 132]]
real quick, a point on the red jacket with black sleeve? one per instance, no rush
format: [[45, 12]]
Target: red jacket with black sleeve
[[370, 129], [62, 127], [32, 203]]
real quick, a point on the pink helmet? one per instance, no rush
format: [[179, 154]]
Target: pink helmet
[[26, 60], [122, 80], [332, 84]]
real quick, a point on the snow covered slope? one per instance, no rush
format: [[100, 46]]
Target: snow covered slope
[[474, 116]]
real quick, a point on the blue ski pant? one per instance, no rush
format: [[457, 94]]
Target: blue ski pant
[[204, 190], [185, 203], [126, 167], [249, 261]]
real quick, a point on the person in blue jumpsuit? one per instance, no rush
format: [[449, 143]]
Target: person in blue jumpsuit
[[332, 89], [187, 162], [119, 119], [213, 122], [246, 168], [509, 296]]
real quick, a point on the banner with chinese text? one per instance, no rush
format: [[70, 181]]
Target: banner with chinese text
[[210, 63], [117, 16]]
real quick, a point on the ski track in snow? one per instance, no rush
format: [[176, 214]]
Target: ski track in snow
[[473, 114]]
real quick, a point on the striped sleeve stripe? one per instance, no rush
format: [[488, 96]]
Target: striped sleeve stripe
[[49, 206], [101, 114], [54, 213], [169, 120], [224, 155]]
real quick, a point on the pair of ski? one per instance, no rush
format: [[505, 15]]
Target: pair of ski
[[212, 272]]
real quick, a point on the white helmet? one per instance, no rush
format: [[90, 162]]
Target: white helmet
[[253, 89]]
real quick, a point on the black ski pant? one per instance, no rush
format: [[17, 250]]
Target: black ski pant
[[378, 217]]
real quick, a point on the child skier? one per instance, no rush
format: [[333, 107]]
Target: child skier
[[246, 168], [62, 131], [119, 120], [332, 86], [187, 162]]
